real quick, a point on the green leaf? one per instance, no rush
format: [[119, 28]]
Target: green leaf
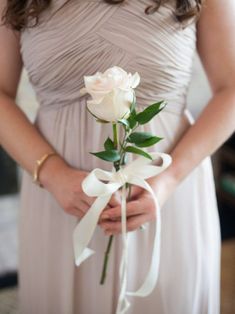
[[131, 119], [109, 144], [136, 150], [124, 122], [139, 137], [108, 155], [151, 141], [143, 139], [147, 114]]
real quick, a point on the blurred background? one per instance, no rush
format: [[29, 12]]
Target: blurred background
[[224, 172]]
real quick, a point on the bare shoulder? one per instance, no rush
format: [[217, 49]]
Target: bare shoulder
[[10, 56], [216, 41], [217, 15]]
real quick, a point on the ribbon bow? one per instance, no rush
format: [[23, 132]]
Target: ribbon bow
[[134, 173]]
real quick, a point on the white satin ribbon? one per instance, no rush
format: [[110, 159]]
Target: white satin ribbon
[[134, 173]]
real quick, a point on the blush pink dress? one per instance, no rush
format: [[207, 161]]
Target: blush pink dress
[[81, 38]]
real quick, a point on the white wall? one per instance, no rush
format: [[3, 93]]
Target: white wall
[[199, 91]]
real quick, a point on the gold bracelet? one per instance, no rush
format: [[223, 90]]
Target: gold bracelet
[[39, 164]]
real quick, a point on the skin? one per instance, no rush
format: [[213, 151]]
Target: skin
[[216, 48], [213, 127]]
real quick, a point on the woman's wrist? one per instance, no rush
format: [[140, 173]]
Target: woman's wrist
[[167, 176], [51, 170]]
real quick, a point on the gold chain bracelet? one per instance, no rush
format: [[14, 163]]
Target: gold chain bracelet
[[39, 164]]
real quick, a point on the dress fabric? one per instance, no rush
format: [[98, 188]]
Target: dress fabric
[[81, 38]]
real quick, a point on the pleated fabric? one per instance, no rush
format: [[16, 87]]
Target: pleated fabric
[[80, 38]]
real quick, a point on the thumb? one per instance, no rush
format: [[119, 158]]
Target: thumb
[[115, 199], [135, 191]]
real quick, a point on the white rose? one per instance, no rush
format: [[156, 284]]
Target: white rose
[[112, 93]]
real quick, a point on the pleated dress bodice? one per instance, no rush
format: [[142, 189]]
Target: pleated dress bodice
[[81, 37]]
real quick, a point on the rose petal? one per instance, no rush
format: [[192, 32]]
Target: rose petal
[[103, 110], [83, 91], [135, 80]]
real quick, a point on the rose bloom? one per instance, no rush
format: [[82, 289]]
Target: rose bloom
[[112, 93]]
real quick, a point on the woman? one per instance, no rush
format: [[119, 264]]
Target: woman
[[76, 38]]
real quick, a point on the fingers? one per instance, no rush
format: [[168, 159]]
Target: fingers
[[135, 207], [82, 207], [133, 223], [138, 211], [88, 199], [82, 203], [79, 209], [115, 200], [112, 211], [75, 212]]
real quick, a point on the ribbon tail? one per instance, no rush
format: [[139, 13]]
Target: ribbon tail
[[152, 276], [84, 230]]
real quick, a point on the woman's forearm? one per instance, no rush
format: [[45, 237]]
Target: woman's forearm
[[21, 139], [213, 127]]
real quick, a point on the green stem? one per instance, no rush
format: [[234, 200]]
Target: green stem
[[117, 167], [115, 135], [106, 257], [124, 144], [128, 185], [107, 252], [116, 143]]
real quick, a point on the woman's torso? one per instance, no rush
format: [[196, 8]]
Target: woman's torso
[[88, 36]]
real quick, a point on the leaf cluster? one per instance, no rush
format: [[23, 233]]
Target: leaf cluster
[[133, 141]]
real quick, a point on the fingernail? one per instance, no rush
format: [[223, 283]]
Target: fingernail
[[114, 218]]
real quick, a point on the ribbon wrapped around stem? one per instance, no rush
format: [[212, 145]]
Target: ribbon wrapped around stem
[[134, 173]]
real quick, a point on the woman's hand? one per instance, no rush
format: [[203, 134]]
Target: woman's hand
[[65, 184], [141, 207]]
